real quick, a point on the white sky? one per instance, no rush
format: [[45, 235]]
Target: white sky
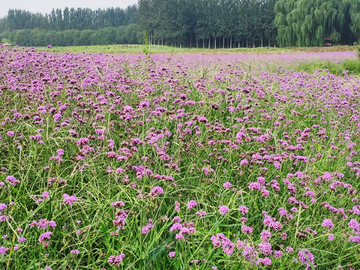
[[45, 6]]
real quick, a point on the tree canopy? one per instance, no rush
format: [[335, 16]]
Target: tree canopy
[[192, 23]]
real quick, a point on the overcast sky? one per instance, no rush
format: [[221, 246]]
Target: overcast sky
[[45, 6]]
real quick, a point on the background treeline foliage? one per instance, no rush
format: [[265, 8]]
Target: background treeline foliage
[[192, 23], [209, 23], [79, 19], [308, 22], [126, 34]]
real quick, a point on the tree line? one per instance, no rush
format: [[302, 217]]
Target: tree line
[[126, 34], [192, 23], [78, 19]]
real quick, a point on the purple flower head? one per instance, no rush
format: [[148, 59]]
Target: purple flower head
[[117, 204], [2, 207], [156, 191], [45, 236], [246, 229], [265, 248], [223, 210], [172, 254], [116, 260], [69, 199], [227, 185], [327, 223], [354, 225], [243, 209], [265, 236], [306, 258], [12, 180], [191, 204]]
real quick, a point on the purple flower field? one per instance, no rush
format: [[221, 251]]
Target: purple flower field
[[177, 162]]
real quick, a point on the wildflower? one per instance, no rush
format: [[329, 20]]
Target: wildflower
[[172, 254], [146, 228], [243, 209], [354, 225], [265, 235], [265, 261], [116, 260], [265, 248], [306, 258], [331, 237], [12, 180], [21, 239], [117, 204], [10, 133], [2, 207], [227, 185], [246, 229], [75, 251], [327, 223], [223, 210], [45, 195], [45, 236], [192, 204], [278, 253], [69, 199], [156, 191]]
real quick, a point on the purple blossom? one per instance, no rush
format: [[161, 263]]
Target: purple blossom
[[172, 254], [69, 199], [116, 260], [306, 258], [223, 210], [327, 223], [191, 204]]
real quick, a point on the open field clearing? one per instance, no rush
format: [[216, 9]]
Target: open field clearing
[[179, 161], [133, 48]]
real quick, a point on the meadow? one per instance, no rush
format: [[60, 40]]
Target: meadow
[[179, 160]]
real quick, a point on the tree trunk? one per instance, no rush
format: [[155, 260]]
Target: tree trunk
[[223, 42], [215, 43], [262, 40], [230, 42], [209, 42]]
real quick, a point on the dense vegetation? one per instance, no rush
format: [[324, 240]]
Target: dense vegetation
[[177, 162], [192, 23]]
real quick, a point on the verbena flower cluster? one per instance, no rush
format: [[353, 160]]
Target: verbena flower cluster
[[177, 162]]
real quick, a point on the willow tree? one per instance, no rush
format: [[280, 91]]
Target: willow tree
[[309, 22]]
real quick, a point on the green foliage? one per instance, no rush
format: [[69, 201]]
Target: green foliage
[[351, 66], [208, 23], [309, 22], [79, 19], [146, 43], [127, 34]]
